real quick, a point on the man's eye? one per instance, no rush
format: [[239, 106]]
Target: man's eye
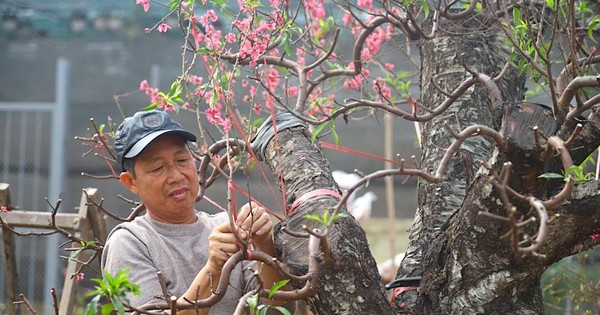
[[156, 169], [183, 160]]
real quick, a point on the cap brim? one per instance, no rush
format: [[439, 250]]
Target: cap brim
[[145, 141]]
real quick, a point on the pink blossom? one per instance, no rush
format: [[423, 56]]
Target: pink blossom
[[347, 18], [226, 123], [380, 87], [366, 53], [245, 48], [274, 53], [302, 61], [213, 40], [80, 276], [272, 78], [230, 38], [244, 83], [269, 104], [365, 3], [213, 115], [4, 209], [144, 85], [278, 17], [186, 105], [389, 66], [210, 16], [595, 236], [144, 3], [265, 26], [318, 12], [257, 108], [196, 79], [293, 91], [162, 103], [353, 83], [242, 25], [163, 27], [169, 107], [252, 90], [196, 34]]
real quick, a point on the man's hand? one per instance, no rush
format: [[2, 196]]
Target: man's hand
[[255, 223], [221, 245]]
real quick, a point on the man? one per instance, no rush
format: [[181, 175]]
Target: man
[[188, 247]]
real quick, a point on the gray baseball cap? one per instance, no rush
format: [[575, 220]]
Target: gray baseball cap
[[136, 132]]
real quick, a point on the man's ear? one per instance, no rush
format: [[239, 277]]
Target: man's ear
[[129, 182]]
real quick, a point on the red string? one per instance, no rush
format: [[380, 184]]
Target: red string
[[247, 195], [361, 153], [314, 193], [273, 121], [205, 197], [251, 151]]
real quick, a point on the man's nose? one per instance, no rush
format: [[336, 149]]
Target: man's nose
[[175, 174]]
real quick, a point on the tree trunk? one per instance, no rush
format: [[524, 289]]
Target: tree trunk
[[466, 267], [485, 52], [348, 280]]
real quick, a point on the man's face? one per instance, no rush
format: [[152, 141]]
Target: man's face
[[166, 180]]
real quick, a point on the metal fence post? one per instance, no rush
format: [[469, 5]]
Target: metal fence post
[[57, 170]]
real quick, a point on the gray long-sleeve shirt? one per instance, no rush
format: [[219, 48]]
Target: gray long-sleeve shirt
[[179, 251]]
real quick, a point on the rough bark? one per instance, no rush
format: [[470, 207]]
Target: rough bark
[[348, 280], [442, 65], [477, 273]]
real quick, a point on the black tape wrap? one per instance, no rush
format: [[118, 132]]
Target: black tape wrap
[[266, 132]]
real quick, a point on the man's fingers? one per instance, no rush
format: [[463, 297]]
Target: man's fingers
[[252, 217]]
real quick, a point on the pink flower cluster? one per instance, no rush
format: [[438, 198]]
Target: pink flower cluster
[[595, 236], [315, 9], [213, 115], [355, 82], [382, 88], [255, 41], [211, 38], [320, 106], [4, 209], [155, 97], [375, 39]]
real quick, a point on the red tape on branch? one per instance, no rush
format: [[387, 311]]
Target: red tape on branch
[[314, 193], [400, 290]]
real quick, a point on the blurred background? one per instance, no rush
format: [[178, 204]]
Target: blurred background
[[63, 62]]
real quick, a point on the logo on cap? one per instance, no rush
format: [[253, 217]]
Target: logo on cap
[[153, 120]]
